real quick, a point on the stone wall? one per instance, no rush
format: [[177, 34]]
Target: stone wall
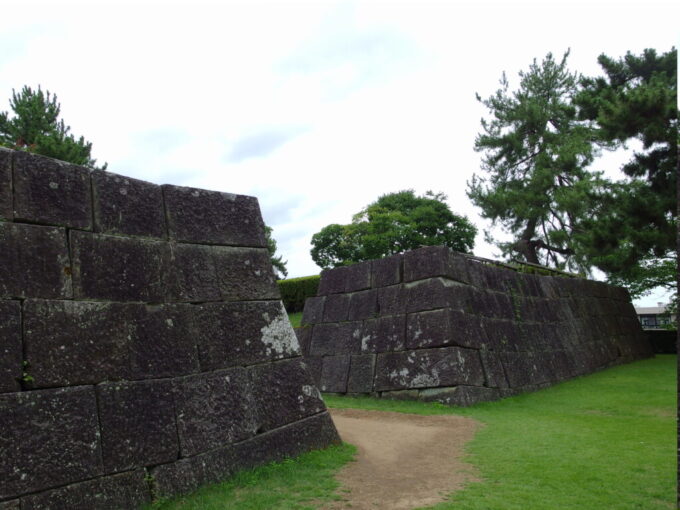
[[144, 347], [440, 326]]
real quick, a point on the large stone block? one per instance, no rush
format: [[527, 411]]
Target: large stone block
[[428, 368], [10, 345], [76, 342], [14, 504], [332, 281], [311, 433], [137, 424], [392, 300], [47, 438], [6, 184], [361, 372], [34, 261], [304, 337], [214, 410], [334, 373], [124, 490], [493, 369], [195, 277], [51, 192], [211, 217], [123, 205], [384, 334], [336, 338], [243, 333], [163, 341], [283, 392], [438, 328], [525, 368], [435, 261], [244, 274], [462, 396], [358, 277], [336, 308], [363, 305], [387, 271], [437, 293], [119, 268], [313, 311]]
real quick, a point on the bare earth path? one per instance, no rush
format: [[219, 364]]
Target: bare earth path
[[404, 461]]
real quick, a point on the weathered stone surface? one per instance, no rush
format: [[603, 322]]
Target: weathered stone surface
[[332, 281], [392, 300], [387, 271], [336, 308], [358, 277], [34, 261], [213, 410], [384, 334], [448, 366], [186, 475], [137, 424], [361, 371], [76, 342], [462, 396], [195, 276], [243, 333], [525, 368], [336, 338], [437, 293], [283, 392], [309, 434], [119, 268], [123, 205], [304, 337], [435, 261], [47, 438], [315, 365], [438, 328], [10, 345], [211, 217], [313, 311], [334, 373], [163, 341], [363, 305], [51, 192], [124, 490], [244, 274], [493, 369], [15, 504], [6, 184]]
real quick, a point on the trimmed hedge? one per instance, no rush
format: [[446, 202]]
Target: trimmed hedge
[[295, 291]]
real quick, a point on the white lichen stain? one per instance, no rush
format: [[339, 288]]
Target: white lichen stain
[[424, 380], [311, 391], [356, 334], [169, 322], [54, 185], [278, 336], [122, 191], [364, 342]]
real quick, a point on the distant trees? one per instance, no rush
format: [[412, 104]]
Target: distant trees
[[278, 263], [536, 180], [34, 125], [394, 223]]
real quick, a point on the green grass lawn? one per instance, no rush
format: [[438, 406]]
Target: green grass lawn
[[295, 319], [604, 441]]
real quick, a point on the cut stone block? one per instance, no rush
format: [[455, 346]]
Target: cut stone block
[[336, 338], [435, 261], [334, 373], [443, 327], [304, 337], [493, 369], [363, 305], [195, 276], [336, 308], [387, 271], [10, 345], [283, 392], [392, 300], [76, 342], [462, 396], [51, 192], [428, 368], [124, 490], [332, 281], [6, 184], [437, 293], [358, 277], [361, 372], [137, 424], [313, 311], [243, 333], [34, 261], [211, 217], [119, 268], [123, 205], [214, 410], [48, 438], [384, 334], [15, 504], [244, 274]]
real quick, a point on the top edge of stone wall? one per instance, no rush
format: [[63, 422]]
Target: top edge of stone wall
[[41, 190], [442, 262]]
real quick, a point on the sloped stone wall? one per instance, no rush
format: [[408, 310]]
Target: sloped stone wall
[[144, 348], [436, 325]]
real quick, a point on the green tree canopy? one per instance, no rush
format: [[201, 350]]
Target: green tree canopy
[[535, 182], [35, 126], [278, 263], [394, 223], [632, 234]]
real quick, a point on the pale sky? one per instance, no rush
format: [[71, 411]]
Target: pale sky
[[316, 108]]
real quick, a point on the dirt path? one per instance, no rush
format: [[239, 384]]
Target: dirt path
[[404, 461]]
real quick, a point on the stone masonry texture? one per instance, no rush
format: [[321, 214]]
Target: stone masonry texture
[[144, 348], [437, 325]]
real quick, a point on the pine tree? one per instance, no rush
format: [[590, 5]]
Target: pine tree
[[35, 126]]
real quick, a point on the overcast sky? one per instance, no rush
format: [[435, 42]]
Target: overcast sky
[[316, 108]]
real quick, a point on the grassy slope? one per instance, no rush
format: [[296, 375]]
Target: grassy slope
[[605, 441]]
